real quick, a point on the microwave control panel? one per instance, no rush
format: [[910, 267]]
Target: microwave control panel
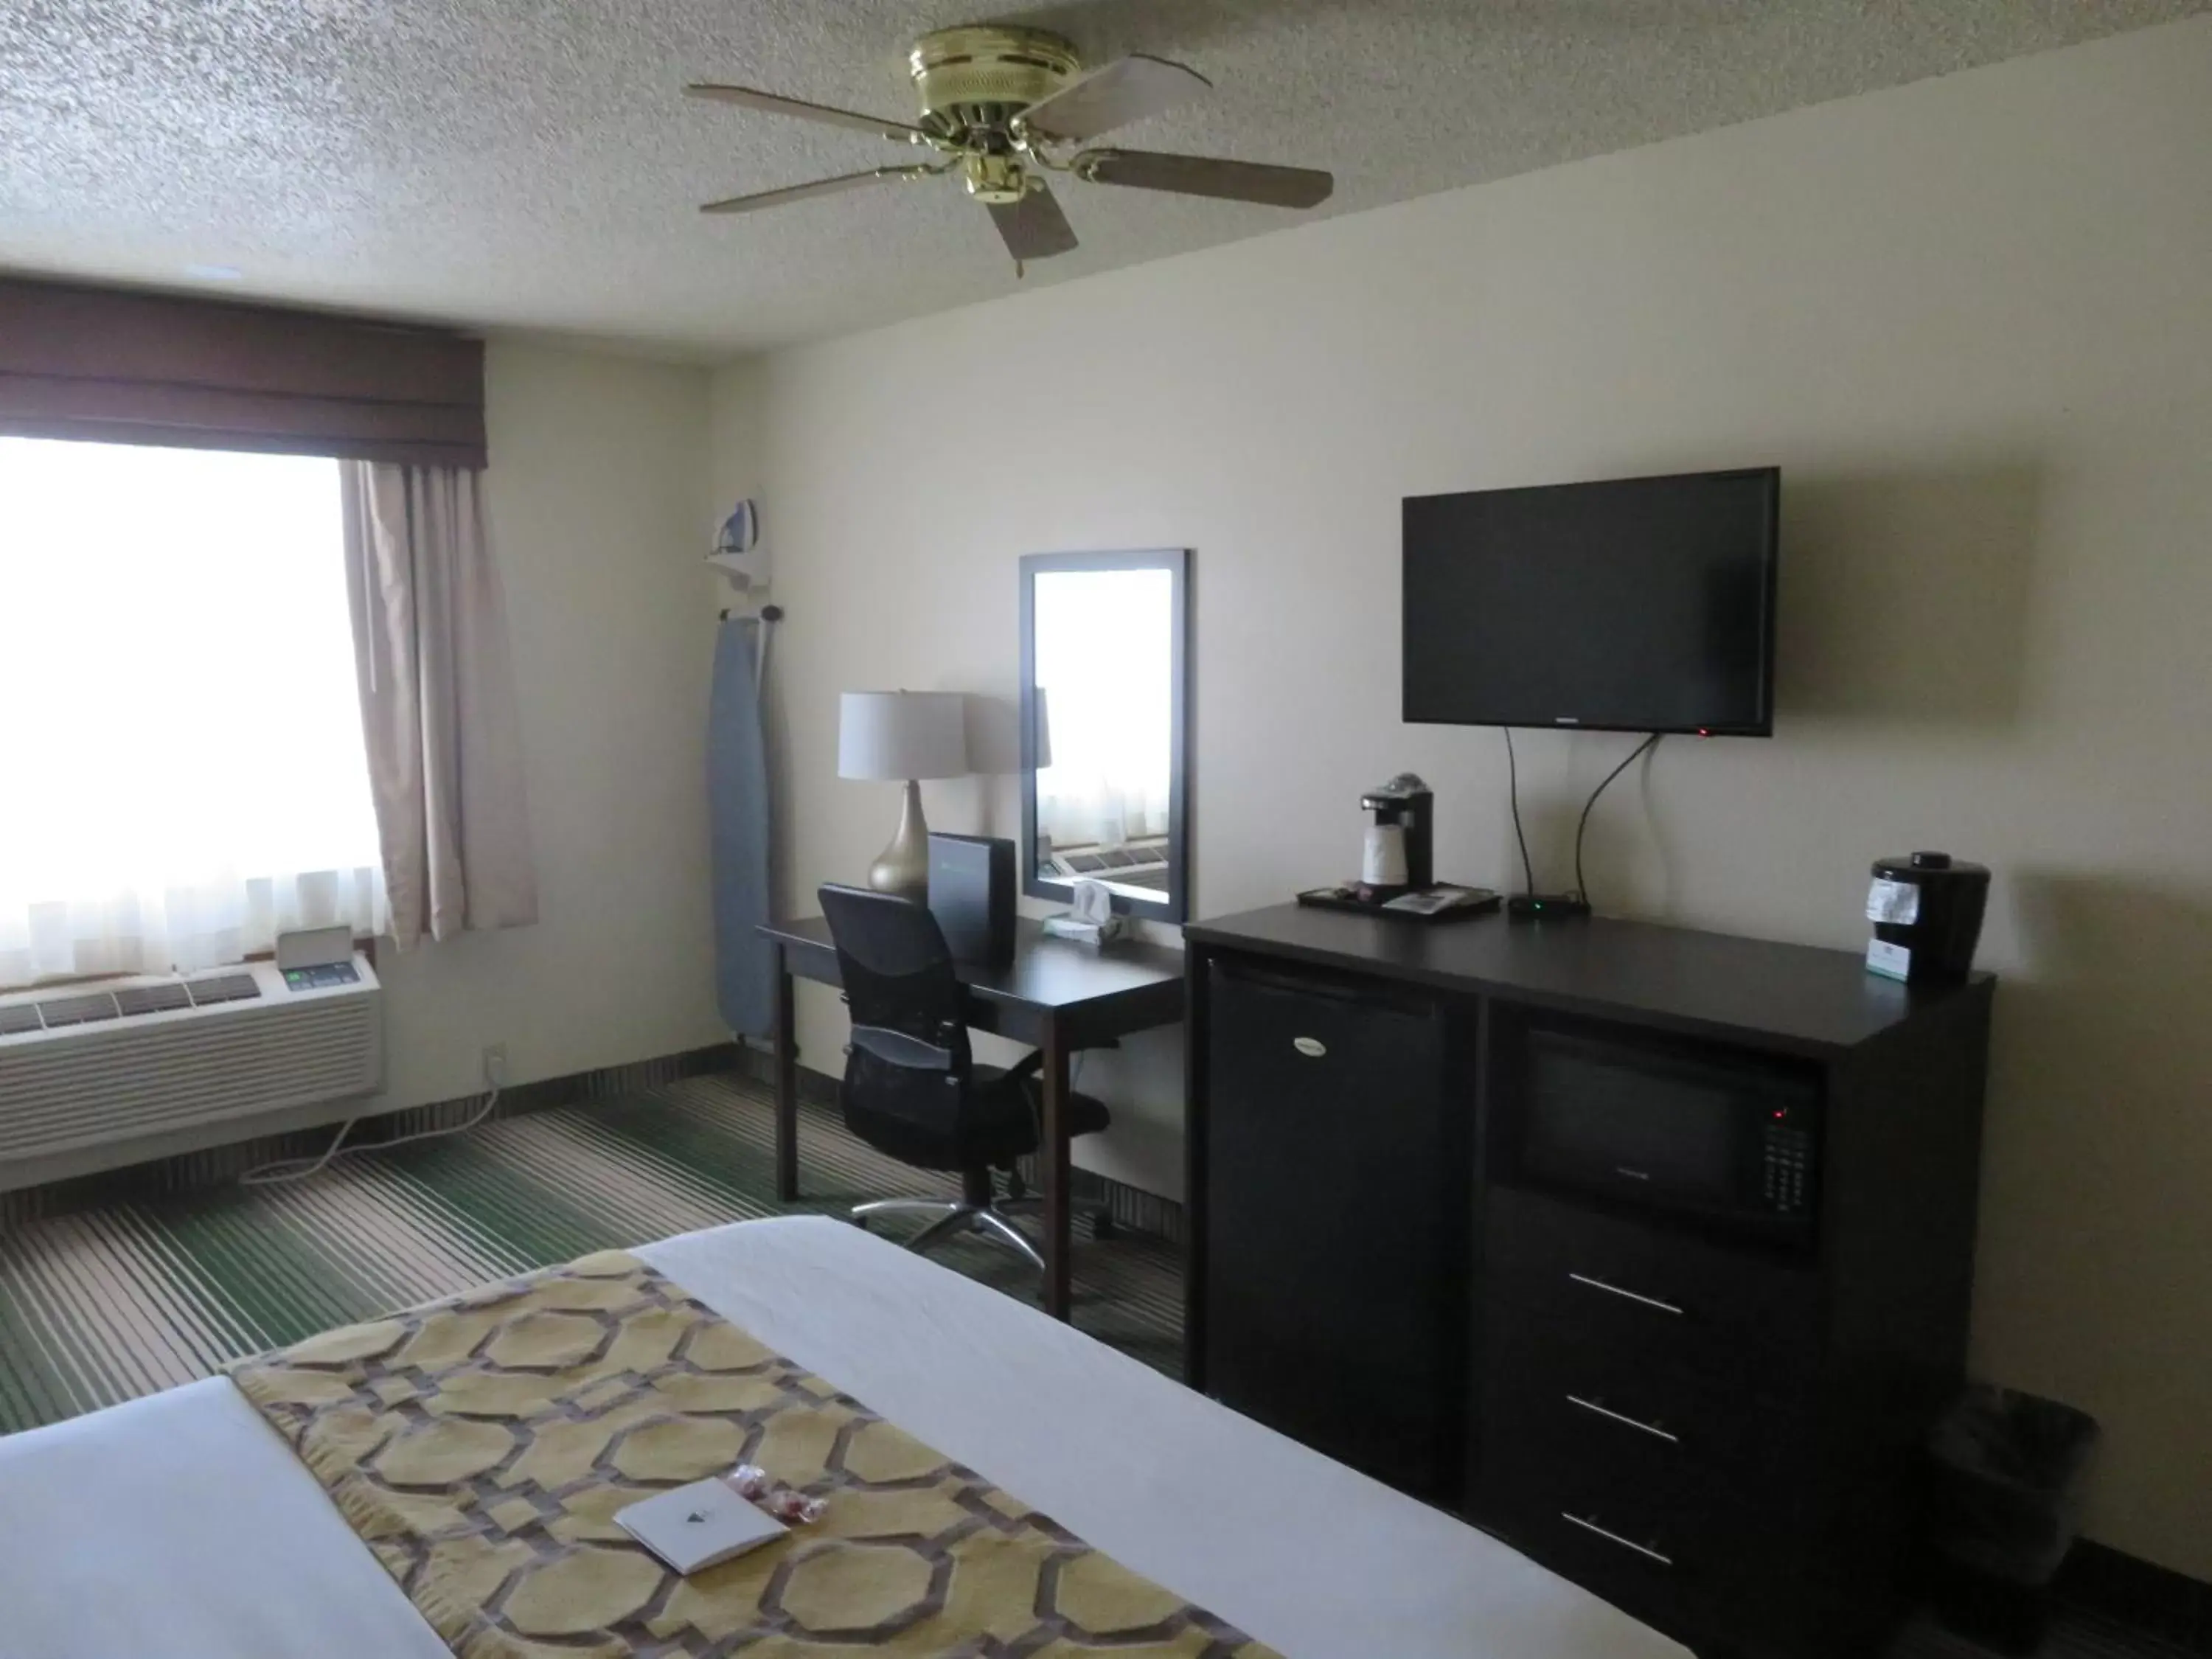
[[1787, 1167]]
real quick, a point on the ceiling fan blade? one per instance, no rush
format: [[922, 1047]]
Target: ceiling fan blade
[[1033, 227], [768, 198], [1203, 175], [899, 131], [1127, 89]]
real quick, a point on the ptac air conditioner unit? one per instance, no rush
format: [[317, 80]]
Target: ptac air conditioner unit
[[95, 1076]]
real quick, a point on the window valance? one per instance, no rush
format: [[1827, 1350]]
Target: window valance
[[115, 366]]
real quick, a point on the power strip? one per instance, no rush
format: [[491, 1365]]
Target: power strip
[[1545, 907]]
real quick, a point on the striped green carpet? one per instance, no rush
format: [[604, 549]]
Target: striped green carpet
[[106, 1303]]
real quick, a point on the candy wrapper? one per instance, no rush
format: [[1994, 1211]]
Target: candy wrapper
[[786, 1503]]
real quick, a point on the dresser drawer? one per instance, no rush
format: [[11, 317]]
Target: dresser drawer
[[1550, 1371], [1640, 1525], [1735, 1320]]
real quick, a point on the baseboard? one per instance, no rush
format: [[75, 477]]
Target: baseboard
[[1130, 1207], [2131, 1591], [815, 1088], [217, 1166]]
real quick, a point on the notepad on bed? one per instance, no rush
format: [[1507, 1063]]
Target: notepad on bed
[[699, 1526]]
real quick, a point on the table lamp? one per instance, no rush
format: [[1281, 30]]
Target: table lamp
[[906, 736]]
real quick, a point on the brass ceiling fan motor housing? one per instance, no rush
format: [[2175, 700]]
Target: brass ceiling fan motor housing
[[982, 76], [997, 103]]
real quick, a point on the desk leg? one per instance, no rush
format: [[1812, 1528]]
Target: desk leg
[[787, 1081], [1052, 1156]]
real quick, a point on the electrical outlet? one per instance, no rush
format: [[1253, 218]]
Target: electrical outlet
[[494, 1066]]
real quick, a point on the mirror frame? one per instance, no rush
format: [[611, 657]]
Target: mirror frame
[[1174, 907]]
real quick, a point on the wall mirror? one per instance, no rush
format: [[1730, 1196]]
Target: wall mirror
[[1104, 707]]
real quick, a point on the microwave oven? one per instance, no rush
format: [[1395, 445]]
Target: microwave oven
[[1714, 1135]]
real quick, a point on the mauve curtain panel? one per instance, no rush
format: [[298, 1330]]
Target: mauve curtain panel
[[437, 700]]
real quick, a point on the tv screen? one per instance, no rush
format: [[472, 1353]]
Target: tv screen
[[1640, 605]]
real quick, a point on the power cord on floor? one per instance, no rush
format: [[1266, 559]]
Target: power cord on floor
[[299, 1169], [1648, 743]]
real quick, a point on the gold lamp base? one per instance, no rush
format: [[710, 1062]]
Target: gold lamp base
[[903, 867]]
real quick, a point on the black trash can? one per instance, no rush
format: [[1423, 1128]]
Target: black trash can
[[2006, 1500]]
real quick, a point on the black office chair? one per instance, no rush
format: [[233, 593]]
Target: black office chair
[[912, 1087]]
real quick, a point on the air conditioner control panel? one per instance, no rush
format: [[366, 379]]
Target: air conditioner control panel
[[322, 977]]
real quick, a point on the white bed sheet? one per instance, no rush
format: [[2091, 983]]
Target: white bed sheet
[[180, 1525]]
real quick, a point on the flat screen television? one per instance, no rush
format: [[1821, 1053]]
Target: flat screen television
[[1637, 605]]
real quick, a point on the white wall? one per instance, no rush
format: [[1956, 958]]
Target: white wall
[[599, 519], [1969, 320]]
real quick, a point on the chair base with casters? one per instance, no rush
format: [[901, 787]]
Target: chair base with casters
[[913, 1088], [978, 1210]]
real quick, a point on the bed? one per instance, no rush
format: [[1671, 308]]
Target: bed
[[179, 1525]]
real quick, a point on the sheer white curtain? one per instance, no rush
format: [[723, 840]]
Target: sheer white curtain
[[1105, 643], [182, 771]]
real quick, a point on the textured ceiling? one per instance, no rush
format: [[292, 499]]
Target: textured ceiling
[[529, 163]]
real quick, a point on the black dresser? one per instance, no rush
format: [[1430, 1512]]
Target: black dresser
[[1649, 1250]]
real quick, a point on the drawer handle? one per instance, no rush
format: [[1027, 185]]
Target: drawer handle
[[1615, 1290], [1623, 1417], [1644, 1550]]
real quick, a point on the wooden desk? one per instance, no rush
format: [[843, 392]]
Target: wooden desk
[[1056, 996]]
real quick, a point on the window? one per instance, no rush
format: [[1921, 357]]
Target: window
[[182, 772]]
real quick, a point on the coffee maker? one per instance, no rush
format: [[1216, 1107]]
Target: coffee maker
[[1397, 866], [1927, 911], [1405, 811]]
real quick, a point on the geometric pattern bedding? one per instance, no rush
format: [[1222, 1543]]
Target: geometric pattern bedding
[[481, 1445]]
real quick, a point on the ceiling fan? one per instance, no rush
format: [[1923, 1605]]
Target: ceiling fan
[[1003, 106]]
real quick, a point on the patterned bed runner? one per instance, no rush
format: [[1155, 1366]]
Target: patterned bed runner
[[481, 1445]]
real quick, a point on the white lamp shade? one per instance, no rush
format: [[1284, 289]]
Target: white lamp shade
[[902, 734]]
